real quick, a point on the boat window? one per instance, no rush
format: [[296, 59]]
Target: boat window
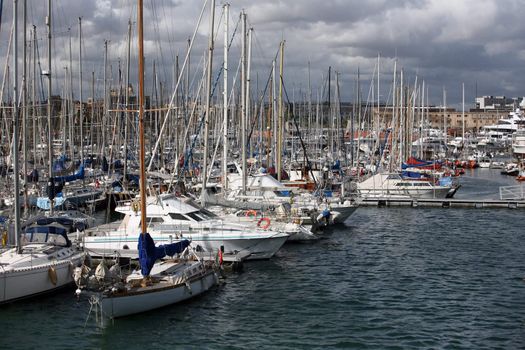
[[194, 217], [177, 216], [43, 237], [393, 177], [57, 240], [207, 214], [155, 220], [39, 237]]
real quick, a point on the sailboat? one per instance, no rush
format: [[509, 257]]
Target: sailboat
[[156, 284], [42, 259]]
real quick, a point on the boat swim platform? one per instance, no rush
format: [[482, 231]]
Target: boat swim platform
[[441, 203], [226, 257]]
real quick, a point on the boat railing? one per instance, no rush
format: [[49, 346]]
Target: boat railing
[[126, 202], [516, 192]]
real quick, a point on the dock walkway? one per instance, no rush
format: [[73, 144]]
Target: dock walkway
[[441, 202]]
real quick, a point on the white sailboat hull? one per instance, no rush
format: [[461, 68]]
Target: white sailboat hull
[[344, 212], [26, 282], [262, 247], [154, 298]]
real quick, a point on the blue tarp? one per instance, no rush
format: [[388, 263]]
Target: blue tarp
[[44, 203], [149, 253], [414, 175], [77, 176]]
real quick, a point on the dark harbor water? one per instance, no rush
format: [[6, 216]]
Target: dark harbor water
[[391, 278]]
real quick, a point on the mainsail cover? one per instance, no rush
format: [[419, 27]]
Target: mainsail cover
[[149, 253]]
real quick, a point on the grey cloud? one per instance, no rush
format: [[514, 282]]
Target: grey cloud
[[479, 42]]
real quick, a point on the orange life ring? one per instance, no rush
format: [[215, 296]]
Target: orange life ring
[[264, 223], [251, 213]]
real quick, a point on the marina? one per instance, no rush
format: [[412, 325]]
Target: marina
[[208, 193], [418, 277]]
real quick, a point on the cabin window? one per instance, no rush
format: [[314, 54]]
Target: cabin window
[[57, 240], [154, 222], [206, 214], [194, 217], [177, 216]]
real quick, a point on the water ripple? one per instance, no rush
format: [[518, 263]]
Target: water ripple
[[392, 278]]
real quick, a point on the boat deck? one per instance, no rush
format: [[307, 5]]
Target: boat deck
[[442, 203]]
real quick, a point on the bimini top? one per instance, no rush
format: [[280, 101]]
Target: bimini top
[[50, 234]]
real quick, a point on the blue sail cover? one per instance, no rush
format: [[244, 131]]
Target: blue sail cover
[[149, 253], [77, 176]]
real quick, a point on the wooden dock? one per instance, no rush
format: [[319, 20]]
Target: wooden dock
[[441, 203]]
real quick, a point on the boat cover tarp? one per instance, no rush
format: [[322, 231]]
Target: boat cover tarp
[[45, 204], [70, 224], [68, 178], [413, 162], [149, 253], [414, 174], [50, 220], [47, 229]]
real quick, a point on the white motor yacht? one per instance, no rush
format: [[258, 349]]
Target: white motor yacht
[[170, 218], [264, 188], [518, 144], [392, 185]]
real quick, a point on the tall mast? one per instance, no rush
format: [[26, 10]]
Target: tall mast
[[105, 108], [248, 77], [243, 101], [225, 101], [378, 127], [70, 98], [445, 113], [463, 114], [274, 117], [16, 126], [208, 102], [49, 93], [422, 118], [33, 93], [280, 116], [126, 115], [92, 122], [142, 147], [330, 120], [81, 109], [24, 107]]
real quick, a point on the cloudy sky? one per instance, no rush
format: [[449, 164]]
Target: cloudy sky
[[480, 43]]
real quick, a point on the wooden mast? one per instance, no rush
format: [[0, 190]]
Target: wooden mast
[[140, 20]]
